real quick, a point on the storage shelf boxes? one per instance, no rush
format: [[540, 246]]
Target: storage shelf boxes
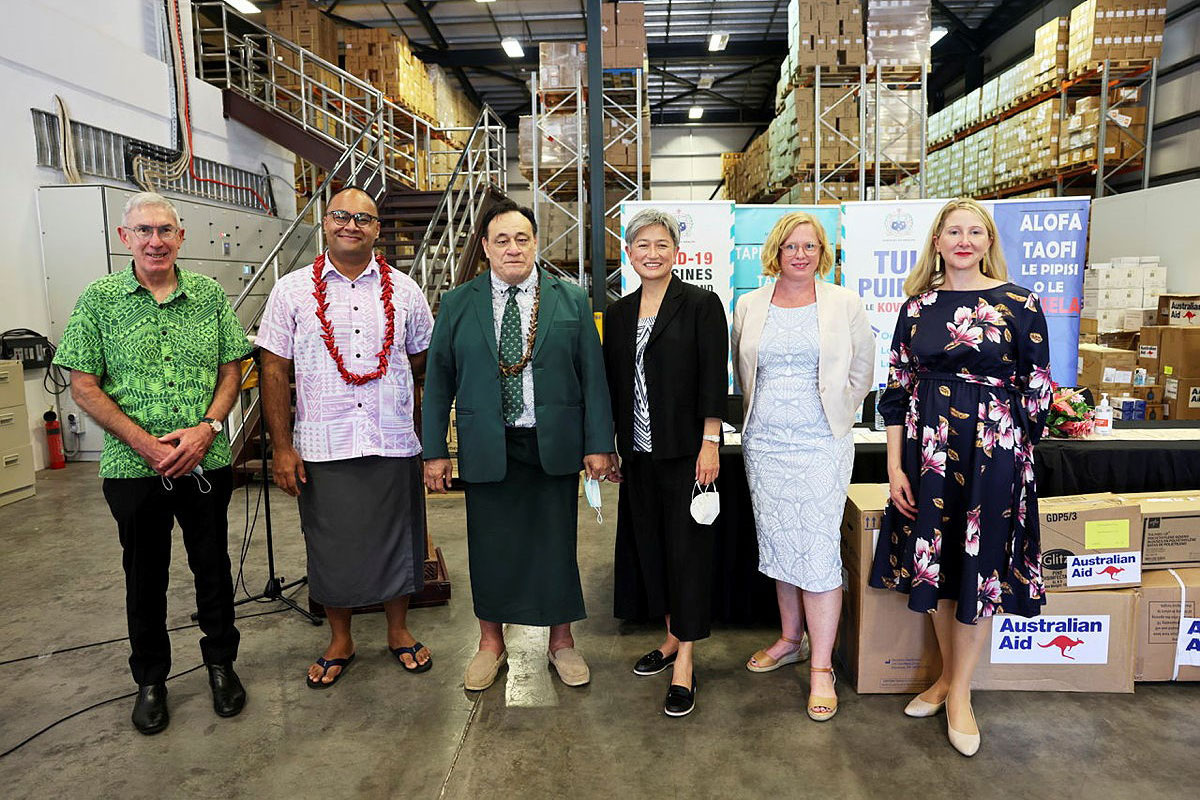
[[623, 35], [386, 62], [828, 33], [1118, 30], [898, 32]]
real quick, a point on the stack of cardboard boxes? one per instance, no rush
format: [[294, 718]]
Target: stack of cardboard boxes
[[828, 33], [1119, 30], [1124, 132], [1099, 629], [898, 32], [1122, 295], [302, 23], [623, 35], [562, 66], [1050, 44], [386, 61]]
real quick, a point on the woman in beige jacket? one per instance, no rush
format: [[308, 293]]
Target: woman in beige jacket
[[804, 355]]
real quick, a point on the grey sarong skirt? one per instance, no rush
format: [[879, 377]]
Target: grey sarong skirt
[[364, 528], [521, 535]]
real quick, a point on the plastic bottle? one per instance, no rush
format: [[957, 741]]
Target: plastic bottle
[[879, 390], [1104, 416]]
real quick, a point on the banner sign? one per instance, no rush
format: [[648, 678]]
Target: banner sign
[[751, 226], [1044, 243]]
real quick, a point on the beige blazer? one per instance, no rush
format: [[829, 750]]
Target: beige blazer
[[847, 359]]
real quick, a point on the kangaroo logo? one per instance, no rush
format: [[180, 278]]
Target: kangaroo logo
[[1111, 571], [1063, 643]]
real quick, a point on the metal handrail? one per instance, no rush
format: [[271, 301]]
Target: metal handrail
[[316, 195]]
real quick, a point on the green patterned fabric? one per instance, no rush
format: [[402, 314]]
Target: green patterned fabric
[[512, 348], [157, 361]]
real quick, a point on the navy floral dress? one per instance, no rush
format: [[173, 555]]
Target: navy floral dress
[[970, 382]]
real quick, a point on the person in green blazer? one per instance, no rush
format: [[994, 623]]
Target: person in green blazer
[[517, 351]]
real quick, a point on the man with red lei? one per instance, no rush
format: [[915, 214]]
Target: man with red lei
[[354, 331]]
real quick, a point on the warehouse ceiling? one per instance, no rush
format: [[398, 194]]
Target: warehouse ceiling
[[464, 35]]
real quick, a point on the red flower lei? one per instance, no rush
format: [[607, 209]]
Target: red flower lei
[[389, 316]]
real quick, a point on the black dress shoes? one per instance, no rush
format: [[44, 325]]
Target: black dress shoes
[[653, 663], [229, 696], [150, 709], [680, 700]]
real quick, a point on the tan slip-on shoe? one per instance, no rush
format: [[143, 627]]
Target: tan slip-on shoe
[[571, 667], [482, 669]]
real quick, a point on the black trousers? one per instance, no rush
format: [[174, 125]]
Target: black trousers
[[674, 552], [145, 511]]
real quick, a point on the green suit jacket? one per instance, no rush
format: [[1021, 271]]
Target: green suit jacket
[[571, 403]]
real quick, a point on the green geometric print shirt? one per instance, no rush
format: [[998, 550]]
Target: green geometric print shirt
[[157, 361]]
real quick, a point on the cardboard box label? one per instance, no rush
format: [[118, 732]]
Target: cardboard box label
[[1148, 351], [1194, 397], [1104, 534], [1105, 569], [1052, 639], [1187, 652], [1184, 312]]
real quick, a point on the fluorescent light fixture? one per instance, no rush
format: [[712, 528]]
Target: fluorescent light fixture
[[244, 6], [706, 82], [695, 112], [512, 47], [936, 34], [485, 1], [718, 41]]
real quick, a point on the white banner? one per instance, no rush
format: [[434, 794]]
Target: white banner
[[1105, 569], [1050, 639], [1187, 653], [705, 246]]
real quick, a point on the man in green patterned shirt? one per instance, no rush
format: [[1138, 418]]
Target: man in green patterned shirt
[[154, 355]]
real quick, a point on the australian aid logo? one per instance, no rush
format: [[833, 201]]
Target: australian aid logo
[[1104, 569], [1188, 650], [1051, 639]]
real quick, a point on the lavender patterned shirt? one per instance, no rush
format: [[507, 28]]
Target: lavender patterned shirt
[[335, 420]]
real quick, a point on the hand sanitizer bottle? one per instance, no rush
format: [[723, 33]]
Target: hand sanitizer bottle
[[1104, 416]]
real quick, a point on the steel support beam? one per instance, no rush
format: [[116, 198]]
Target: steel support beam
[[596, 200]]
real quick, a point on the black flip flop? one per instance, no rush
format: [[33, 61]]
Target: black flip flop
[[327, 664], [412, 651]]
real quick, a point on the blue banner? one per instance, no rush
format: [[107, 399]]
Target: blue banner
[[752, 224], [1045, 245]]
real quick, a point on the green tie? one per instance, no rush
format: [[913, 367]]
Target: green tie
[[511, 350]]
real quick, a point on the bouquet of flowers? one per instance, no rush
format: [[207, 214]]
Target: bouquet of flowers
[[1070, 416]]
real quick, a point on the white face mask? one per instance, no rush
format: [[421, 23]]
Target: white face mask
[[591, 490], [707, 504]]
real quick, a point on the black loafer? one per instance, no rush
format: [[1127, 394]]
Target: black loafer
[[680, 701], [229, 696], [653, 663], [150, 709]]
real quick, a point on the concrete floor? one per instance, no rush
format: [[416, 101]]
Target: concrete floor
[[381, 733]]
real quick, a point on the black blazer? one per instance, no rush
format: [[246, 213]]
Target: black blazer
[[686, 364]]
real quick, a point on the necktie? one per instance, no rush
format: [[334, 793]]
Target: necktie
[[511, 349]]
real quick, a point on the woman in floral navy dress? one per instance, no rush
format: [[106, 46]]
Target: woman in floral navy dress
[[966, 400]]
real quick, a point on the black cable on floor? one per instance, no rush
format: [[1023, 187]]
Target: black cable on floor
[[125, 696]]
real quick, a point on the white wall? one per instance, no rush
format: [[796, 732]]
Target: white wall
[[685, 160], [104, 59], [1160, 221]]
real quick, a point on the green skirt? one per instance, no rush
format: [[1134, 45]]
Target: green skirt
[[521, 540]]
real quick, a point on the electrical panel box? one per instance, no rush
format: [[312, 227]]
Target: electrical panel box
[[78, 230]]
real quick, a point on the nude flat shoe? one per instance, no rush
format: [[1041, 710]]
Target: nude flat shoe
[[571, 668], [920, 708], [483, 668], [761, 662], [965, 743]]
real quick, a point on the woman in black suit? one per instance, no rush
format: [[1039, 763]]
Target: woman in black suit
[[665, 351]]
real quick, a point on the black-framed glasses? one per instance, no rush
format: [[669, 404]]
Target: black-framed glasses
[[167, 233], [362, 219]]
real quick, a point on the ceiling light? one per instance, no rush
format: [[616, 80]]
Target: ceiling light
[[706, 82], [485, 1], [936, 34], [512, 47], [718, 41], [244, 6], [695, 112]]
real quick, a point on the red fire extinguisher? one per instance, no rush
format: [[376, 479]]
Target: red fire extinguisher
[[54, 440]]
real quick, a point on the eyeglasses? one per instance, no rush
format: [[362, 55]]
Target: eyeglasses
[[362, 219], [809, 248], [167, 233], [521, 241]]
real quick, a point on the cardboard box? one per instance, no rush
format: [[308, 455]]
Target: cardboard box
[[1090, 542], [885, 647], [1183, 397], [1171, 528], [1082, 642], [1099, 365], [1179, 309], [1161, 603], [1179, 352]]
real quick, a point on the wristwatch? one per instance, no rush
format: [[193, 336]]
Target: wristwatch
[[715, 438], [215, 424]]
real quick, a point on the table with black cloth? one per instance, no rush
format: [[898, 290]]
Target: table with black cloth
[[741, 595]]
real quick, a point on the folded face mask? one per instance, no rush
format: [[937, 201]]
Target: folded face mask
[[591, 490], [706, 503]]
